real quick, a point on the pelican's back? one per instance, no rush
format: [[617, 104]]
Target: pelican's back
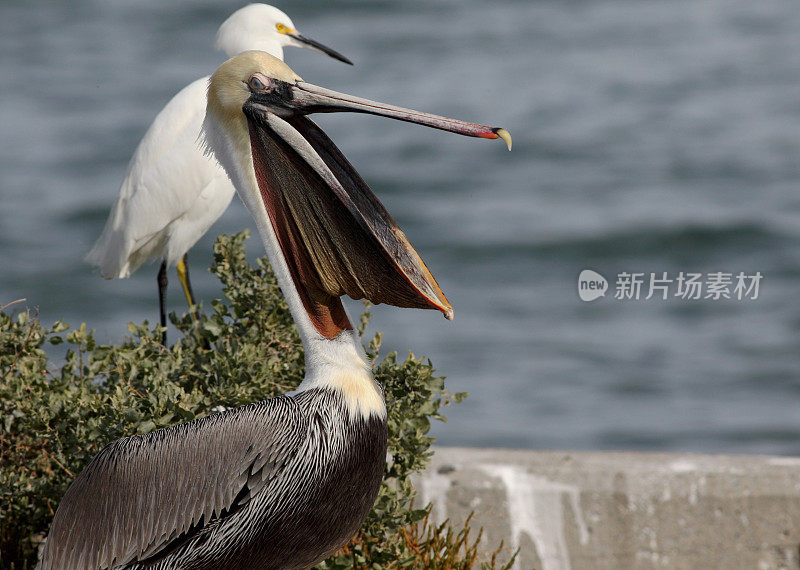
[[279, 484]]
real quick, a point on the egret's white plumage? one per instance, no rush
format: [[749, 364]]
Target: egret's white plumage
[[172, 192]]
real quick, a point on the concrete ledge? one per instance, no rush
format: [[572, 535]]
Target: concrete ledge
[[619, 511]]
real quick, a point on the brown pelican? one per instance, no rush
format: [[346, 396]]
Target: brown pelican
[[282, 483], [172, 192]]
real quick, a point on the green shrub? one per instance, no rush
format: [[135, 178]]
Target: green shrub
[[54, 419]]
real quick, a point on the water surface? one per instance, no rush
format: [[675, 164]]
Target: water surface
[[648, 136]]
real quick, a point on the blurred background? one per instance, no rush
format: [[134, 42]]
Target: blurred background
[[649, 136]]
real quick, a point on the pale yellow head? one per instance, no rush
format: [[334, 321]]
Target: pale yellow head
[[228, 88], [228, 91]]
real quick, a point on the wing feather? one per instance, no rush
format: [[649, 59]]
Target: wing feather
[[172, 193], [140, 493]]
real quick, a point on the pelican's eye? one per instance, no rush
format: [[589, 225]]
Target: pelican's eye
[[256, 84]]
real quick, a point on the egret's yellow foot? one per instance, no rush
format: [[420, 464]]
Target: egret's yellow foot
[[183, 276]]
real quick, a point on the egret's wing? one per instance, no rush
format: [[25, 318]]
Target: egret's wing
[[342, 239], [166, 177], [140, 493]]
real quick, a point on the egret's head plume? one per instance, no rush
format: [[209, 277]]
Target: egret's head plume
[[265, 28], [256, 26]]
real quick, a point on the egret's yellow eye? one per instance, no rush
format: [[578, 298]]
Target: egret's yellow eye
[[281, 28]]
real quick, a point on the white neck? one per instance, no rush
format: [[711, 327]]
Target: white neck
[[339, 363], [232, 45]]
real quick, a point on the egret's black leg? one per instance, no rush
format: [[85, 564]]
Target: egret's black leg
[[162, 299]]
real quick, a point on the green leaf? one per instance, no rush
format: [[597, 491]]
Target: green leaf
[[246, 348]]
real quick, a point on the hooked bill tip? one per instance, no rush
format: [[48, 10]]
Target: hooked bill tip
[[448, 313], [503, 134]]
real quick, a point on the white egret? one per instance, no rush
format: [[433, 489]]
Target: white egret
[[172, 192], [283, 483]]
